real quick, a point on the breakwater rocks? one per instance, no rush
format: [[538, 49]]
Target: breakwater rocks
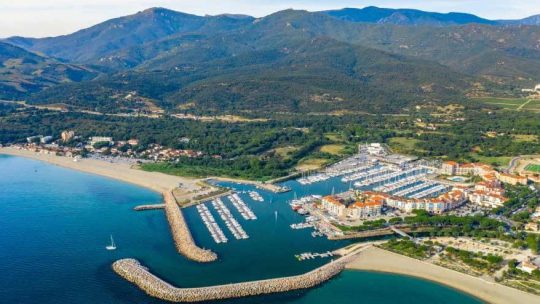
[[149, 207], [133, 271], [182, 236]]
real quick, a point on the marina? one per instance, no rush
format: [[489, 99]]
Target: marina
[[241, 206], [211, 225], [147, 237], [301, 225], [431, 191], [416, 188], [234, 227], [392, 177]]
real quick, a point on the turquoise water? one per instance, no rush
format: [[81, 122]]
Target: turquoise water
[[56, 222]]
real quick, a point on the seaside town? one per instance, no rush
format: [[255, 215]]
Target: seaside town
[[383, 194], [71, 145]]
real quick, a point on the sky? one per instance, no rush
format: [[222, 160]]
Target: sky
[[42, 18]]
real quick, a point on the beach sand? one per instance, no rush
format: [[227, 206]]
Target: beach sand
[[156, 181], [376, 259]]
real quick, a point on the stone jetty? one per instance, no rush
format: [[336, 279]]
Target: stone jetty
[[181, 234], [133, 271], [149, 207]]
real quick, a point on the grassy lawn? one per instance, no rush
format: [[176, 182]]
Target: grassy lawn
[[285, 152], [505, 103], [524, 137], [333, 136], [403, 144], [533, 105], [334, 149], [311, 164], [497, 160], [533, 168]]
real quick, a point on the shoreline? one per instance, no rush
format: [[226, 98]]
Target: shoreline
[[380, 260], [155, 181]]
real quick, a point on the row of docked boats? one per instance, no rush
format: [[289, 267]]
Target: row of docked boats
[[311, 179], [241, 206], [232, 224], [301, 225], [211, 225], [309, 255], [256, 196]]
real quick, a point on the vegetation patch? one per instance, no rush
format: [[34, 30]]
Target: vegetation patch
[[311, 164], [334, 149], [525, 137], [404, 144], [533, 168]]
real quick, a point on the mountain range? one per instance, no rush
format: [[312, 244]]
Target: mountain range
[[371, 59]]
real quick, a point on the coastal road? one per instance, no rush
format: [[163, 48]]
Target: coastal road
[[513, 164]]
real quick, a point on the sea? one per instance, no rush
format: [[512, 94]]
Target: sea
[[55, 224]]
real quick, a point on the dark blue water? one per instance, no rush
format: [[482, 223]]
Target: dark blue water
[[55, 224]]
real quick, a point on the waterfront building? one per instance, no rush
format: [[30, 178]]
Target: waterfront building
[[334, 205], [367, 206]]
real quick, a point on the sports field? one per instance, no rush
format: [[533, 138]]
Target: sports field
[[533, 168]]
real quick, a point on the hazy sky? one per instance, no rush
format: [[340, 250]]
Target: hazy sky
[[39, 18]]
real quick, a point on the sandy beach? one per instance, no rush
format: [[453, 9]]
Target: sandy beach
[[375, 259], [158, 182]]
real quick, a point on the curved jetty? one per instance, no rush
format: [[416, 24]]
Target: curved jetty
[[133, 271], [181, 234]]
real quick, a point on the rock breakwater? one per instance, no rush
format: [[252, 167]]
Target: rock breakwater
[[182, 236], [133, 271]]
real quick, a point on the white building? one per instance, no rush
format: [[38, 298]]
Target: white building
[[96, 139]]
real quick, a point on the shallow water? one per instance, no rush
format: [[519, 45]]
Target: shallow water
[[55, 224]]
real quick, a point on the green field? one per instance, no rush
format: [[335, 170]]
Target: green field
[[404, 144], [509, 103], [533, 105], [533, 168]]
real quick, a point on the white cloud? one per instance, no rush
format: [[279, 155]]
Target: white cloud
[[40, 18]]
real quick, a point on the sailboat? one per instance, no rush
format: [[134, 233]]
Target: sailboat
[[112, 246]]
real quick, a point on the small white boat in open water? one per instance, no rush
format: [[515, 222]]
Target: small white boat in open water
[[112, 246]]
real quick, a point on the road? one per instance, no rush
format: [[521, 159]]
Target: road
[[513, 164]]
